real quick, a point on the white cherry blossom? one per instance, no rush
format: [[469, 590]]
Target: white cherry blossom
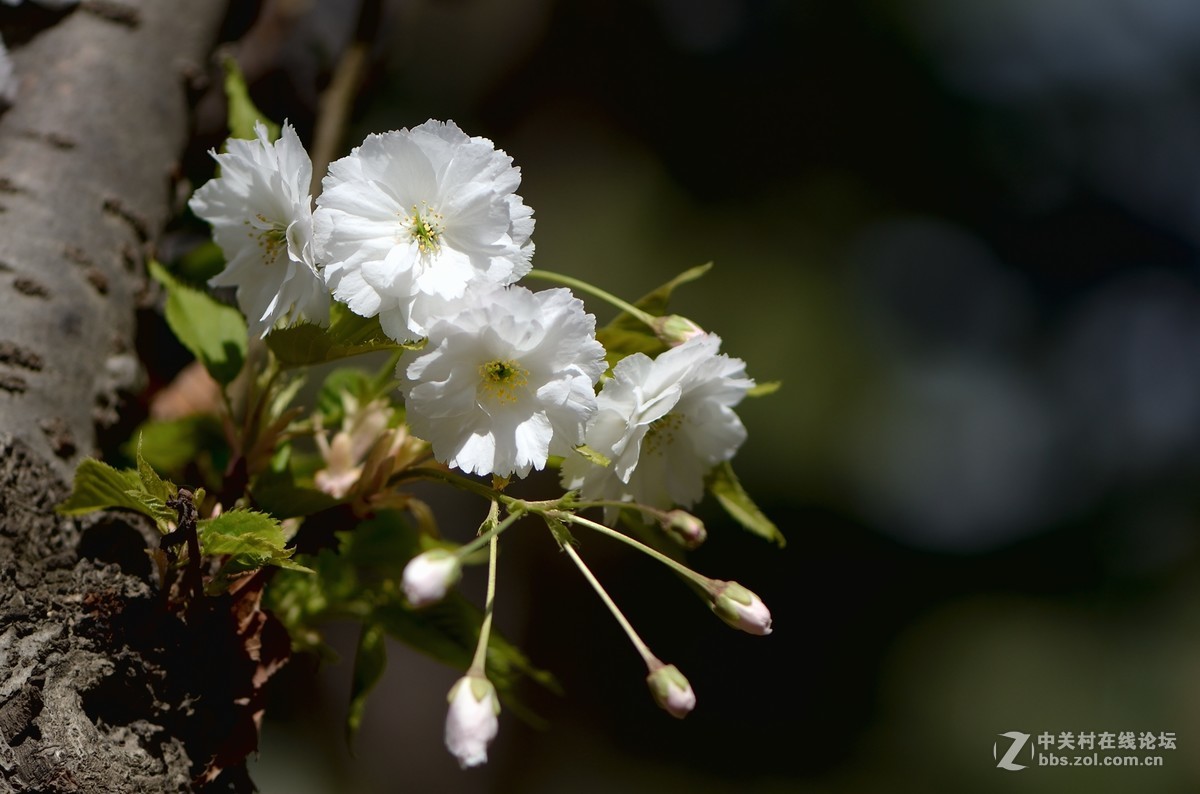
[[261, 214], [505, 380], [663, 424], [412, 217]]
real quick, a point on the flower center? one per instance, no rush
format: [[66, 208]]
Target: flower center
[[661, 433], [424, 227], [270, 237], [501, 380]]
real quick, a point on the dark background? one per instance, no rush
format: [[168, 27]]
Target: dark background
[[963, 233]]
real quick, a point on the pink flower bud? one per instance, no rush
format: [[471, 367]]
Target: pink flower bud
[[671, 690], [684, 528], [675, 329], [741, 608]]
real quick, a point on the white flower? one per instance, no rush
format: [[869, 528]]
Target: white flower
[[663, 424], [505, 381], [671, 690], [741, 608], [429, 575], [414, 215], [261, 214], [471, 722]]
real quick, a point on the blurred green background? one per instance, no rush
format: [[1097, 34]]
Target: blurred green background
[[964, 234]]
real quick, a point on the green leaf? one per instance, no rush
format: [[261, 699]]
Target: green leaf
[[251, 540], [448, 631], [383, 544], [765, 388], [626, 334], [200, 264], [347, 335], [370, 660], [277, 493], [99, 486], [170, 445], [155, 487], [724, 484], [213, 332], [242, 112]]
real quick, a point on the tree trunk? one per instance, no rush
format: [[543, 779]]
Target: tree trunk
[[97, 678]]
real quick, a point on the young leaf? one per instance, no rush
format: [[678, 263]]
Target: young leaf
[[99, 486], [724, 484], [242, 112], [347, 335], [155, 487], [213, 332], [370, 660], [251, 540], [626, 334]]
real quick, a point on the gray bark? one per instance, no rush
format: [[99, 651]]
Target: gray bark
[[93, 694]]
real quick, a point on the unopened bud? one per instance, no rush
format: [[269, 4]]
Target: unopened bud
[[472, 720], [675, 329], [429, 575], [741, 608], [684, 528], [672, 691]]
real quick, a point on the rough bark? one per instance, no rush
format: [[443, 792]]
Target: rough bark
[[95, 675]]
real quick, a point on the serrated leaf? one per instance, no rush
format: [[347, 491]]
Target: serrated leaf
[[763, 389], [251, 540], [154, 486], [626, 334], [242, 111], [99, 486], [724, 485], [213, 332], [370, 660], [347, 335]]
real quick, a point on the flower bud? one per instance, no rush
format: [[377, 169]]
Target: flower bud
[[471, 722], [741, 608], [674, 329], [684, 528], [672, 691], [429, 575]]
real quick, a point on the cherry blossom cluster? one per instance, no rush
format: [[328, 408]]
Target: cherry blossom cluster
[[423, 229]]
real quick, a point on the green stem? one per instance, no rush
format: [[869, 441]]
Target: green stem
[[479, 662], [660, 515], [678, 567], [496, 529], [457, 480], [583, 286], [643, 649]]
